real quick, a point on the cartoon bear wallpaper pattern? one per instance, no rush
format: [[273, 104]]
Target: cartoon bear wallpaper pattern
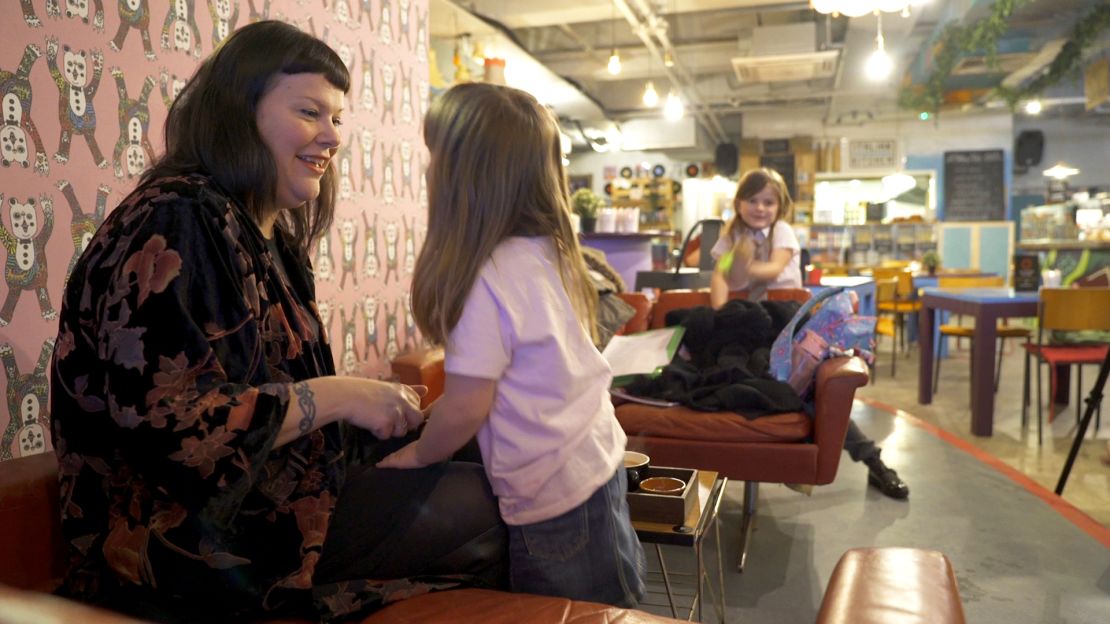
[[65, 162]]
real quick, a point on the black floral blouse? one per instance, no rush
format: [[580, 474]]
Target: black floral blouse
[[178, 341]]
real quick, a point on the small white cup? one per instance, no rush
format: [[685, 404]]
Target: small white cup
[[607, 220]]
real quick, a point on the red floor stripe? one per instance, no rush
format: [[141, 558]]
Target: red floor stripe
[[1070, 512]]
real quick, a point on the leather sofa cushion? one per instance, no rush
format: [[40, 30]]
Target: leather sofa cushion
[[483, 606], [683, 423]]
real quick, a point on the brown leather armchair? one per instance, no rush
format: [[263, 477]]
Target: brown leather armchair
[[781, 448]]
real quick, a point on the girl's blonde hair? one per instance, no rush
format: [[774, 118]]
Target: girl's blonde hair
[[496, 171], [752, 183]]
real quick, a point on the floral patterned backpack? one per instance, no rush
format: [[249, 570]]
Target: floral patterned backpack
[[825, 326]]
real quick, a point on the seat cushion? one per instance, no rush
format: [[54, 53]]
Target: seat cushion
[[683, 423], [1069, 354]]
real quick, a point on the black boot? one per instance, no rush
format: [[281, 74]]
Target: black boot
[[885, 479]]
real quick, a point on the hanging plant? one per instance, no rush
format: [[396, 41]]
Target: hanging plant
[[957, 41], [1067, 60]]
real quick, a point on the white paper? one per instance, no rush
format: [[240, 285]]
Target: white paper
[[639, 354]]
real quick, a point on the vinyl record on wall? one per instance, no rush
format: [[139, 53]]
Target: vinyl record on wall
[[626, 172], [658, 171], [692, 170]]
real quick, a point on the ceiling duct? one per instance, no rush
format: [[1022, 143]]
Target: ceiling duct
[[785, 53]]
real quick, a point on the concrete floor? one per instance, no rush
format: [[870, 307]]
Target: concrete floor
[[1088, 486], [1018, 556]]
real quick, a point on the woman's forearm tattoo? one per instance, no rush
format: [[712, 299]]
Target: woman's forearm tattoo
[[307, 404]]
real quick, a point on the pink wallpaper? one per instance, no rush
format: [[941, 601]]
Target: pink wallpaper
[[84, 90]]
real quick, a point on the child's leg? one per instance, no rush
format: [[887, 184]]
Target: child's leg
[[589, 553]]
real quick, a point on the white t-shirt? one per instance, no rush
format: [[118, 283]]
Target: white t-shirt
[[782, 237], [551, 439]]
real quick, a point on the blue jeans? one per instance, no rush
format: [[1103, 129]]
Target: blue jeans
[[589, 553]]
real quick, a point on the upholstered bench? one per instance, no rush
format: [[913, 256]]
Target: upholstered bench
[[885, 585]]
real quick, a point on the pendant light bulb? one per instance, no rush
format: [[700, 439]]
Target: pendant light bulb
[[673, 109], [651, 97], [614, 63], [879, 64], [668, 60]]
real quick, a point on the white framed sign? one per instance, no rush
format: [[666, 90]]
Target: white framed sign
[[872, 155]]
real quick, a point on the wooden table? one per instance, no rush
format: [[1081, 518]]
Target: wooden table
[[986, 305]]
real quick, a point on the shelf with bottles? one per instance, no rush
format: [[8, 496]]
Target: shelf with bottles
[[655, 197], [866, 244]]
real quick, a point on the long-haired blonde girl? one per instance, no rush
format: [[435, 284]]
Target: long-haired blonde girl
[[496, 171], [501, 283]]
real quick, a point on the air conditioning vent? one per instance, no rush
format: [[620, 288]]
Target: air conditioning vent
[[785, 67]]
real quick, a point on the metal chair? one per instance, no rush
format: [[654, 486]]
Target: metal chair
[[1066, 310]]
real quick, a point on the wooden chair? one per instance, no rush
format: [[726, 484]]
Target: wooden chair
[[958, 330], [1069, 310], [903, 303], [885, 325]]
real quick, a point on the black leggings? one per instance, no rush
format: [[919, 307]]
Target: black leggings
[[438, 520]]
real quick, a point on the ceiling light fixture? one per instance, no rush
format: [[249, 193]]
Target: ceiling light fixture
[[879, 64], [651, 97], [614, 63], [614, 58], [859, 8], [673, 109], [1033, 107], [1060, 171]]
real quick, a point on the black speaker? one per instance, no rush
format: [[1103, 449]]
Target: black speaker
[[1028, 148], [726, 159]]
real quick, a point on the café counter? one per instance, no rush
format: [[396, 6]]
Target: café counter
[[1077, 260]]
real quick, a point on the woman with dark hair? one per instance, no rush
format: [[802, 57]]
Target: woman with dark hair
[[213, 466]]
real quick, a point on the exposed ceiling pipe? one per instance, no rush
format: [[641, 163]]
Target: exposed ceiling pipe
[[652, 25]]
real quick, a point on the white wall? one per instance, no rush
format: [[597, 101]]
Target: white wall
[[1083, 144], [594, 163]]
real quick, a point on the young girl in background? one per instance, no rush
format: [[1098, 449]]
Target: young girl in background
[[757, 250], [501, 283]]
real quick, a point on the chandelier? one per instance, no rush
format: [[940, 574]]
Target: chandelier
[[857, 8]]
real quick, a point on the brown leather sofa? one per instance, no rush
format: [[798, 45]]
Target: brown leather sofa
[[31, 555]]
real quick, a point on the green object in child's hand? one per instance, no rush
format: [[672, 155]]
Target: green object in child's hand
[[725, 263]]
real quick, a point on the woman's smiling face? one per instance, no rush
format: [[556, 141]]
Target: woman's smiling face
[[298, 120]]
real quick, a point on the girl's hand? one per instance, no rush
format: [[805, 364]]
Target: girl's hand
[[405, 458], [745, 250]]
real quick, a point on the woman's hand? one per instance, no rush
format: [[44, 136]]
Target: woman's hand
[[404, 458], [386, 409]]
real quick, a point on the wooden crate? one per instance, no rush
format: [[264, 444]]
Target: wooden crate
[[665, 508]]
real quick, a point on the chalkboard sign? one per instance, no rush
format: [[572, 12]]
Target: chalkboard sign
[[784, 164], [973, 186]]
